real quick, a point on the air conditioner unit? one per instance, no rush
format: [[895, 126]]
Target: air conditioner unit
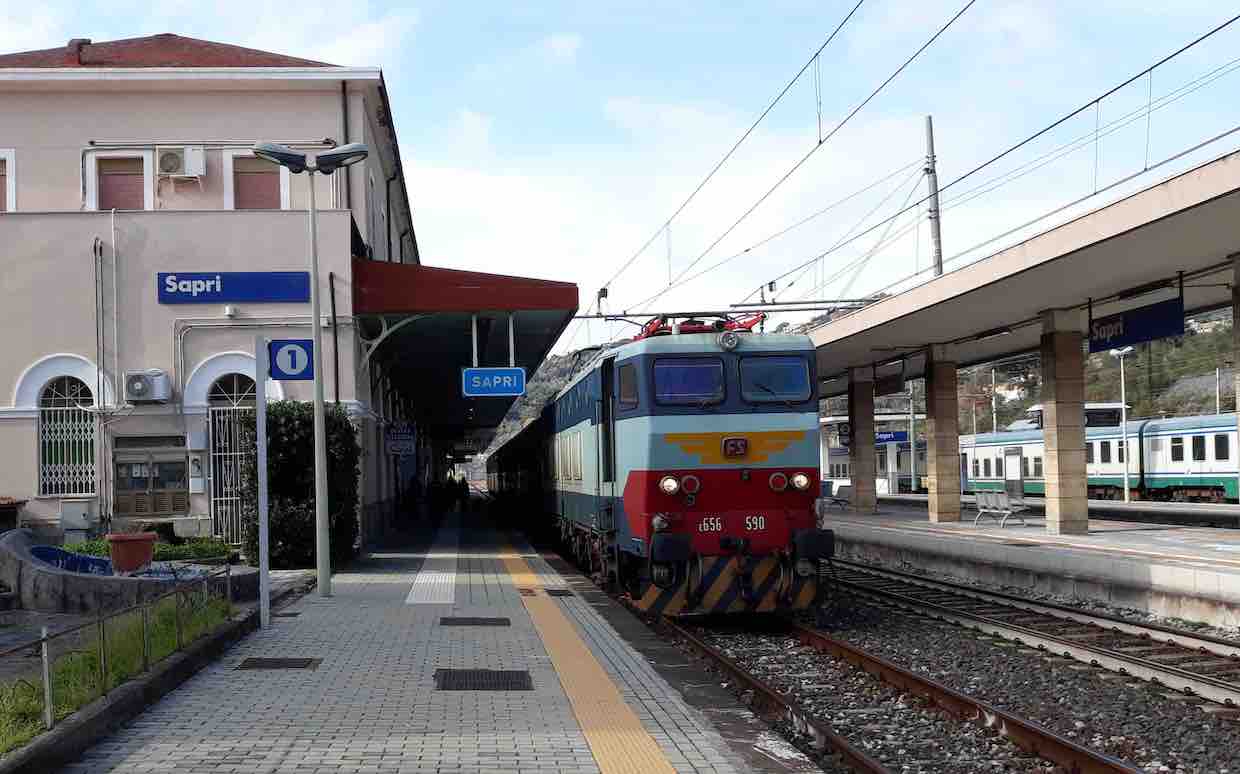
[[149, 386], [181, 161]]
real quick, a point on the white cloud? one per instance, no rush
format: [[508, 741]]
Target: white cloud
[[563, 46], [28, 28]]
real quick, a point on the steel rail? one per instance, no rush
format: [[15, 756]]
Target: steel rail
[[1176, 678], [1186, 639], [769, 704], [1025, 734]]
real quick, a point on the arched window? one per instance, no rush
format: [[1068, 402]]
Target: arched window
[[232, 390], [231, 413], [66, 438]]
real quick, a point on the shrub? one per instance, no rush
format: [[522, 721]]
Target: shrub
[[192, 548], [290, 486]]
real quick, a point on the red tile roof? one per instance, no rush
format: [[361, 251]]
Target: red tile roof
[[166, 50]]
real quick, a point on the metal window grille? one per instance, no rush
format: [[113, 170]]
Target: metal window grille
[[230, 414], [66, 439]]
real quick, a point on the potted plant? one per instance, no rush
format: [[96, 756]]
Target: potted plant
[[131, 552]]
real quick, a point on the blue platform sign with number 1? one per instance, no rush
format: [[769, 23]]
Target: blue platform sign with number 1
[[291, 359]]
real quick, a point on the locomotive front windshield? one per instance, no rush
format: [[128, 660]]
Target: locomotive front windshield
[[688, 380], [774, 378]]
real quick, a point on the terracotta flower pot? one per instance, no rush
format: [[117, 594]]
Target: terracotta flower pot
[[131, 552]]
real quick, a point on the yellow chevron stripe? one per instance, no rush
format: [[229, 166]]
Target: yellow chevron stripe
[[717, 589]]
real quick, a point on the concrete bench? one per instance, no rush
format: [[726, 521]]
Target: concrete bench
[[999, 506]]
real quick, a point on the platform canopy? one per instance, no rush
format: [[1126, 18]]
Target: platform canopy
[[1124, 255], [417, 321]]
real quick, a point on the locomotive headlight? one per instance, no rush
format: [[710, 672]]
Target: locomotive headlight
[[805, 568], [659, 522], [691, 484], [800, 481], [779, 482], [669, 485], [729, 340]]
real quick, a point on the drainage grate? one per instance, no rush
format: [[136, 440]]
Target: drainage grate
[[285, 615], [527, 592], [560, 592], [483, 680], [473, 621], [280, 663]]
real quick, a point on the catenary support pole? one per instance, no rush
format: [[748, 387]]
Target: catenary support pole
[[261, 356], [1123, 423], [932, 179], [912, 440], [994, 404], [322, 535]]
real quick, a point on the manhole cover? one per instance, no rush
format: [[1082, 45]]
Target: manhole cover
[[560, 592], [285, 615], [526, 592], [280, 663], [483, 680], [474, 621]]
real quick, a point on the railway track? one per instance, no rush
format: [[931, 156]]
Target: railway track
[[779, 706], [1195, 664]]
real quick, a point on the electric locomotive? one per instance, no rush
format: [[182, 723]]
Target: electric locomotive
[[683, 466]]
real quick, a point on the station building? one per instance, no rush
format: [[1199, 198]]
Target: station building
[[143, 248]]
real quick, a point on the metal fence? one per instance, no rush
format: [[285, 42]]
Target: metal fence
[[84, 662]]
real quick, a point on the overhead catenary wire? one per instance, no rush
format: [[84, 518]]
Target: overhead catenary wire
[[744, 136], [822, 141], [1011, 149]]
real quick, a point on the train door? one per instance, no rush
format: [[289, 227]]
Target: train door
[[1013, 473], [607, 445]]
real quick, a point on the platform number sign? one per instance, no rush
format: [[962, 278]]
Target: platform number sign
[[291, 359]]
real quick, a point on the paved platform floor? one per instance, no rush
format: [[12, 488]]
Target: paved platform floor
[[1186, 572], [371, 705]]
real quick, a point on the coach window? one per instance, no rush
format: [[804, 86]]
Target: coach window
[[688, 381], [986, 468], [627, 375], [1105, 448], [999, 467], [977, 468], [774, 379], [1024, 461], [1037, 467], [1177, 449], [1089, 454], [1119, 452], [1199, 448], [1222, 447]]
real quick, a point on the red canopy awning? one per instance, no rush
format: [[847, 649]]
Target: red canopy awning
[[407, 288]]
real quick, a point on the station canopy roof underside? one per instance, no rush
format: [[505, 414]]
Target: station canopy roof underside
[[992, 308], [416, 321]]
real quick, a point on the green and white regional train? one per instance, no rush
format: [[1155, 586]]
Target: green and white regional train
[[1180, 459]]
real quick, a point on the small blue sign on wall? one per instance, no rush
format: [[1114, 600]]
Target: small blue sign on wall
[[291, 360], [217, 287], [493, 382], [894, 436], [1145, 323]]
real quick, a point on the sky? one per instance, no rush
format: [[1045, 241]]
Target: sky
[[554, 139]]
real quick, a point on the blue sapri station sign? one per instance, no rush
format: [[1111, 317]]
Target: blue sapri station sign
[[493, 382], [219, 287], [1133, 326]]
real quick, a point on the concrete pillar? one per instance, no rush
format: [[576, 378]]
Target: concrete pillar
[[942, 439], [1063, 423], [861, 447]]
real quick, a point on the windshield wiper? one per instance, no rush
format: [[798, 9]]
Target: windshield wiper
[[771, 392]]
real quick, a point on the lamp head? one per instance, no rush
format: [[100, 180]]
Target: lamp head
[[282, 155], [329, 161], [1121, 352]]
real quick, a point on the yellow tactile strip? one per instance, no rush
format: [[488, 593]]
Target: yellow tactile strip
[[617, 740]]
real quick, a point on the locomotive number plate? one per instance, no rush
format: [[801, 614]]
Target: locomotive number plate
[[711, 524], [755, 523]]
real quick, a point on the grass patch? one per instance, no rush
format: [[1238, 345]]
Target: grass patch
[[193, 548], [76, 673]]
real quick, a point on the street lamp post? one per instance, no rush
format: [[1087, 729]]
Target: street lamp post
[[1123, 415], [325, 163]]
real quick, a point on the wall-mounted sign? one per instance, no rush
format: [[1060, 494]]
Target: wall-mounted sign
[[400, 439], [1133, 326], [492, 382], [894, 436], [208, 287], [291, 360]]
